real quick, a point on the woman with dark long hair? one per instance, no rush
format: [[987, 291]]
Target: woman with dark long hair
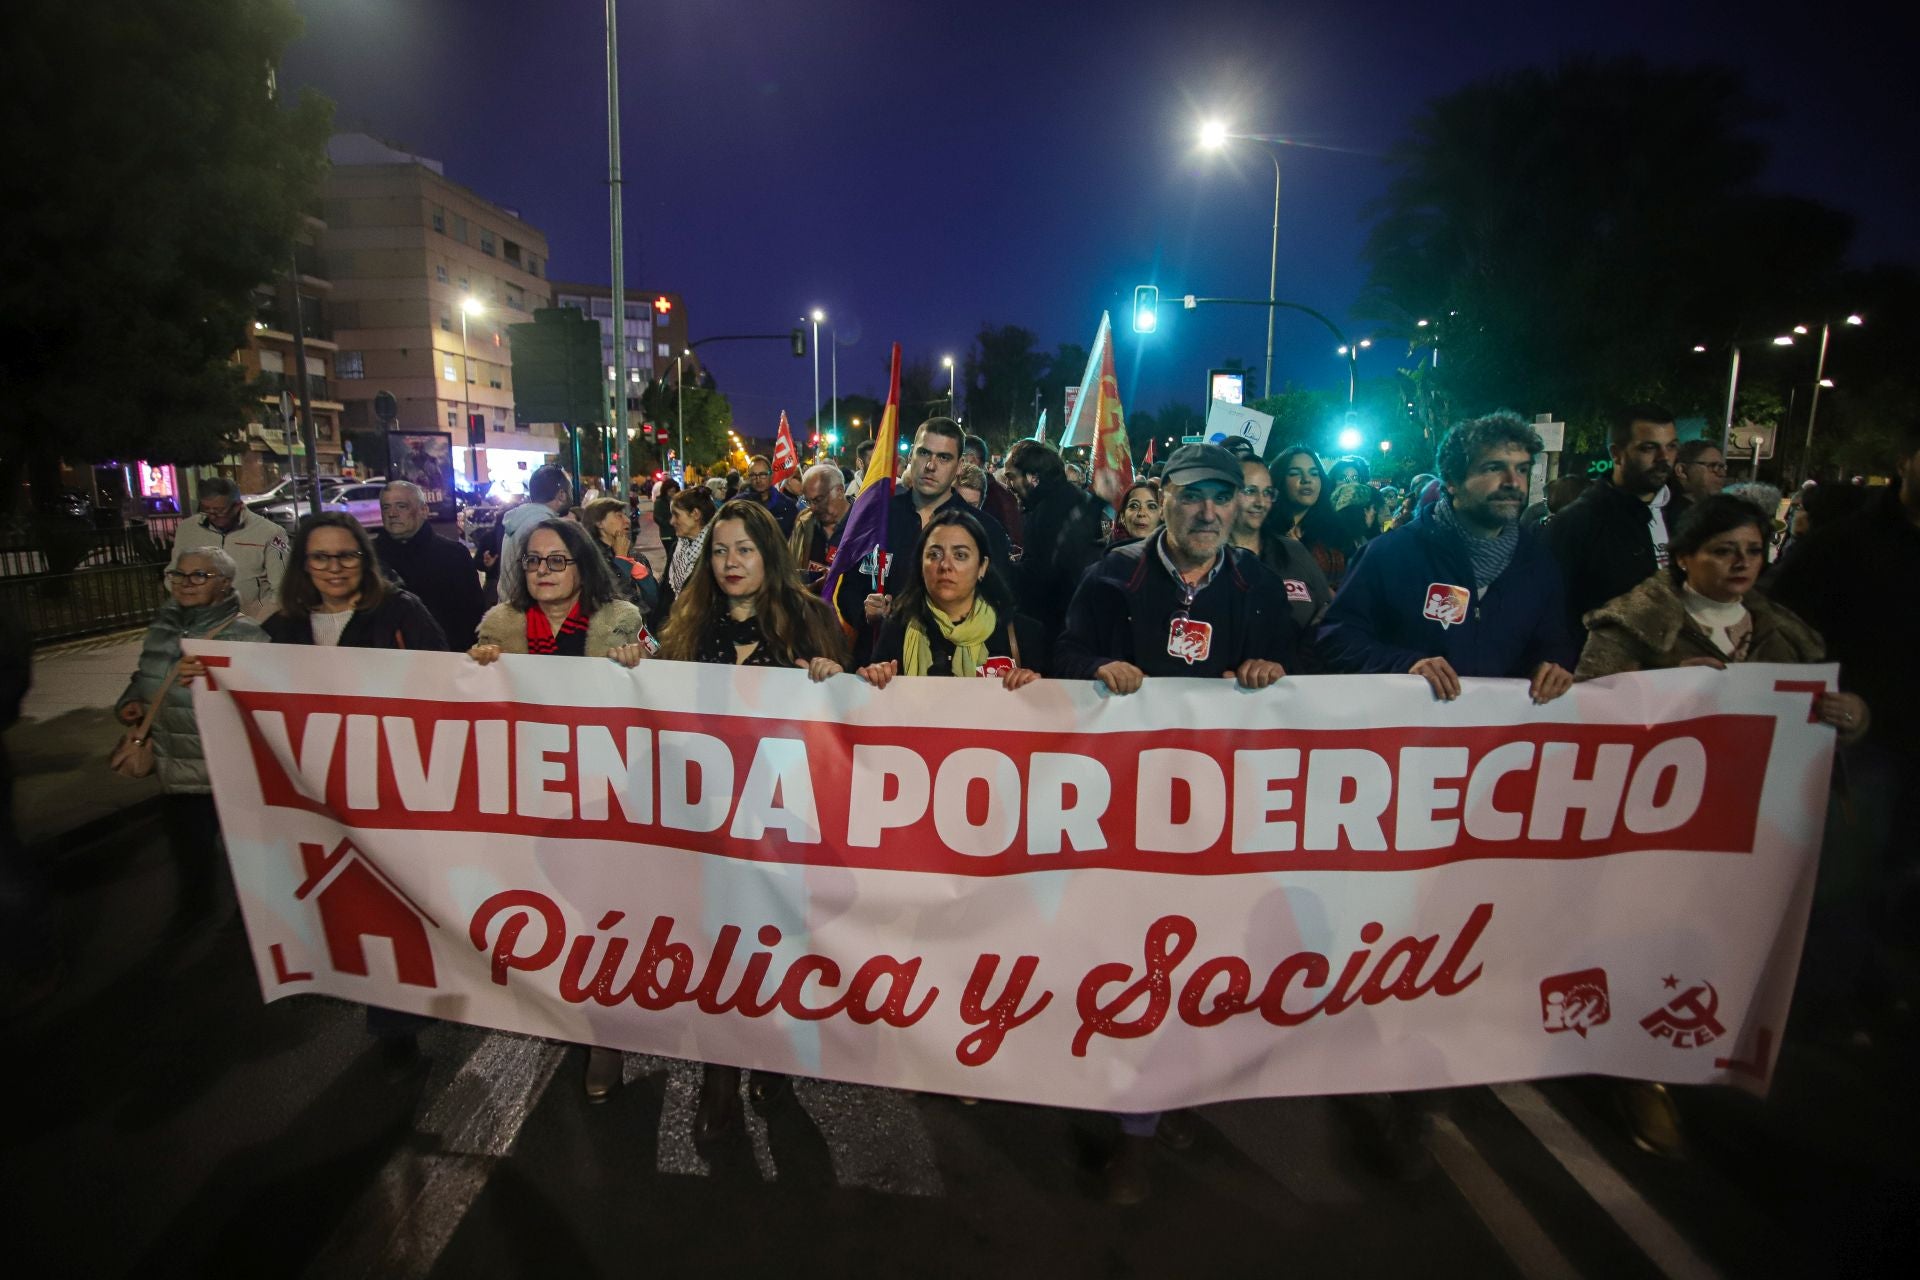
[[956, 616], [1303, 515], [1139, 513], [332, 593], [748, 609], [745, 607]]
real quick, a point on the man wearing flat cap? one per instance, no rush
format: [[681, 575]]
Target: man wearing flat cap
[[1182, 602]]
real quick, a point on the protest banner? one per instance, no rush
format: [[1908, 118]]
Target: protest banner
[[1054, 895]]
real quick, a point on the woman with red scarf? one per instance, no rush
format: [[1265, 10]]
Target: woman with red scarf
[[561, 599]]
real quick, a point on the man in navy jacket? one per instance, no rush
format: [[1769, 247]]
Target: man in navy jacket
[[1463, 590], [1183, 602]]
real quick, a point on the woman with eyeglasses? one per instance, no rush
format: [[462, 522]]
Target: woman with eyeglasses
[[746, 608], [560, 598], [202, 607], [1703, 611], [1307, 591], [333, 593], [1304, 517]]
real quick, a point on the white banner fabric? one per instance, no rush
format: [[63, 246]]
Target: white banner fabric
[[1054, 895]]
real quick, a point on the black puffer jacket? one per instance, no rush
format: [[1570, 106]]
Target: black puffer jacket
[[399, 621]]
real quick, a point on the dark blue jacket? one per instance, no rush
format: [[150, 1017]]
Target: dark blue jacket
[[1377, 623], [783, 509], [1123, 611]]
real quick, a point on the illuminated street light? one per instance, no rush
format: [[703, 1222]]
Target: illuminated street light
[[472, 305], [1213, 137], [1386, 446], [1365, 343], [953, 382], [1350, 439], [1825, 382], [1855, 320], [1421, 324], [1784, 340], [1699, 348], [1800, 329], [1339, 351]]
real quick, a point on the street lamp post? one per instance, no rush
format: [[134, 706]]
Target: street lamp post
[[469, 306], [1213, 137], [680, 400], [1819, 381], [818, 316], [953, 382]]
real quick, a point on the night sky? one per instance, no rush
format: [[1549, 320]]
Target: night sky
[[917, 169]]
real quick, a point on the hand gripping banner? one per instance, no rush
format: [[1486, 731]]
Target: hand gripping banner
[[1053, 895]]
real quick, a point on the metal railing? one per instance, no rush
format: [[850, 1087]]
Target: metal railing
[[62, 548], [62, 606]]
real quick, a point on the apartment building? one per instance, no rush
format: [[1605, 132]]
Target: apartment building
[[655, 330], [426, 278]]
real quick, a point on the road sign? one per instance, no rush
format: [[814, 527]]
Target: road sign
[[1225, 420], [1747, 436], [557, 374], [1193, 439]]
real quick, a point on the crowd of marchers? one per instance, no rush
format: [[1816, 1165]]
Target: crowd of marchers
[[1223, 565]]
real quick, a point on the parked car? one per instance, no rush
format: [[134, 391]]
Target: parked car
[[285, 488]]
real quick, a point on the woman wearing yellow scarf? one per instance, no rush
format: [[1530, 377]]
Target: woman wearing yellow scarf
[[956, 618]]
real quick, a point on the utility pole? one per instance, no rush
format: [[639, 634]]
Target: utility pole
[[617, 427], [306, 395]]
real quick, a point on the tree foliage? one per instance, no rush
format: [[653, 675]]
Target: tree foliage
[[1572, 234], [1002, 373], [156, 182], [709, 416]]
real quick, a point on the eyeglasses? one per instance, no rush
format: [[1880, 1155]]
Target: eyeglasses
[[555, 563], [1255, 491], [327, 559], [1717, 468], [199, 577], [759, 475]]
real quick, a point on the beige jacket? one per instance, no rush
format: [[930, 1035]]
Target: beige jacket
[[616, 623]]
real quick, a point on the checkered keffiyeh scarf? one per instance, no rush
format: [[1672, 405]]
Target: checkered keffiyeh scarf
[[1490, 556], [540, 636]]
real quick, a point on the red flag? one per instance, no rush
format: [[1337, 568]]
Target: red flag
[[786, 459], [1112, 458], [1148, 460]]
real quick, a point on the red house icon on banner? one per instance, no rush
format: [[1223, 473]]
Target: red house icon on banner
[[357, 901]]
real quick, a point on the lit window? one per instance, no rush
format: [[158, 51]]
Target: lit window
[[350, 364], [447, 368], [664, 350], [633, 375]]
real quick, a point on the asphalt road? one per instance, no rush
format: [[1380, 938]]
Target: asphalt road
[[165, 1121]]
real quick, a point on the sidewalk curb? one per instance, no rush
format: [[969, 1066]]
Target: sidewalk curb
[[61, 845]]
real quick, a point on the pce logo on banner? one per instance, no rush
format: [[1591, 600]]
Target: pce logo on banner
[[1688, 1019], [1574, 1001]]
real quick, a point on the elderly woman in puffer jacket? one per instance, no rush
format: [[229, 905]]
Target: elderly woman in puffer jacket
[[203, 607]]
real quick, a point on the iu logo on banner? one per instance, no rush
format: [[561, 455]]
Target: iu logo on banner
[[1574, 1001]]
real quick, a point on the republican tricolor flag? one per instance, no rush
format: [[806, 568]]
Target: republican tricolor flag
[[860, 565]]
